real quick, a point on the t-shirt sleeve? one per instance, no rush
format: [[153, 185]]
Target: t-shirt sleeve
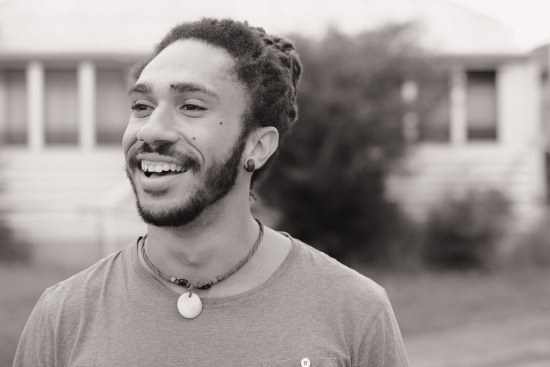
[[383, 344], [36, 346]]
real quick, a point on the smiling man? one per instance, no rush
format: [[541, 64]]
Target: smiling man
[[209, 285]]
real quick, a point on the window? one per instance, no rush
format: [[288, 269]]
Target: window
[[61, 107], [434, 109], [481, 105], [13, 107], [112, 108]]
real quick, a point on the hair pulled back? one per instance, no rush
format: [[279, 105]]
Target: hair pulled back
[[268, 66]]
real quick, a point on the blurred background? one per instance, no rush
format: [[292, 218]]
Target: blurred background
[[420, 157]]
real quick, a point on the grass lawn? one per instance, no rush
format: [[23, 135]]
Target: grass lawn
[[21, 287], [431, 302], [423, 302]]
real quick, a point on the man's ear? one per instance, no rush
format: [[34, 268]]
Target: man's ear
[[261, 145]]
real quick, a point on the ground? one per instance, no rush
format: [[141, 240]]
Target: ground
[[473, 320], [447, 320], [523, 341]]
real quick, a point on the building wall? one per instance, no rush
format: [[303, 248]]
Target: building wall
[[64, 188], [71, 205], [63, 172], [512, 163]]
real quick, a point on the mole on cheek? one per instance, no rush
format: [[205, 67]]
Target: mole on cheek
[[221, 123], [193, 138]]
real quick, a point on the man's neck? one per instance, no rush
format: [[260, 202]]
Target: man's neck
[[204, 249]]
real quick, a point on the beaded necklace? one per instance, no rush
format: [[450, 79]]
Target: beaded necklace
[[189, 304]]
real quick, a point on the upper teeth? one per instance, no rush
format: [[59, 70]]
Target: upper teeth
[[148, 166]]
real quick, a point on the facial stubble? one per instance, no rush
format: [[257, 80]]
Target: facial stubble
[[219, 179]]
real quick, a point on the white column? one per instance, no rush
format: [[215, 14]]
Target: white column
[[533, 116], [459, 124], [86, 105], [35, 105]]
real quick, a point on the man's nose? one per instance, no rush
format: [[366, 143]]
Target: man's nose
[[160, 128]]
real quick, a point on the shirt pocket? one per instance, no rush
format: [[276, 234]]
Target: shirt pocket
[[302, 362]]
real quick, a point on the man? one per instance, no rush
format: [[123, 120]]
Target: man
[[209, 285]]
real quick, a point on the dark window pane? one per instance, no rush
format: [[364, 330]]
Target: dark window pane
[[434, 109], [112, 108], [61, 107], [482, 105], [13, 107]]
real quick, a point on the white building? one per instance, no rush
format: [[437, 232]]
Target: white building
[[486, 131], [63, 109]]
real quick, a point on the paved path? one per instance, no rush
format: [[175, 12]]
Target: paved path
[[521, 342]]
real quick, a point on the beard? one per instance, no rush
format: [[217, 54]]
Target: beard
[[219, 180]]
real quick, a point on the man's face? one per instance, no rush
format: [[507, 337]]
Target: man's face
[[183, 144]]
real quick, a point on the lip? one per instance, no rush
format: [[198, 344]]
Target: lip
[[157, 158]]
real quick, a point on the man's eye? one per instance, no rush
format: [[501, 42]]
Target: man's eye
[[140, 107], [192, 107]]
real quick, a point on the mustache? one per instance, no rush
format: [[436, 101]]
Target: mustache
[[187, 162]]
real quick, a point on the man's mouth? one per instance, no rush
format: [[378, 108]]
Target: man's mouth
[[159, 169]]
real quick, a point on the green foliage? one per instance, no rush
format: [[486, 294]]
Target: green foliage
[[330, 182], [462, 232]]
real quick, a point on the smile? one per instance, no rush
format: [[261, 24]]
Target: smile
[[160, 168], [156, 177]]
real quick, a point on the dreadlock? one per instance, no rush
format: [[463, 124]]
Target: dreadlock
[[267, 65]]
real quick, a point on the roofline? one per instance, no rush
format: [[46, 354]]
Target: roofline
[[122, 57], [492, 57], [132, 57]]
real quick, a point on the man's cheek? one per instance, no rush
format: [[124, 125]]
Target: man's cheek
[[128, 139]]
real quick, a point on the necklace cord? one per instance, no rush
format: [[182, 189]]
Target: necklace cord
[[205, 284]]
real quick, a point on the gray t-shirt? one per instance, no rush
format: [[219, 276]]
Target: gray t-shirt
[[116, 314]]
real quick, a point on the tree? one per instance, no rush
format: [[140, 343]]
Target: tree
[[329, 183]]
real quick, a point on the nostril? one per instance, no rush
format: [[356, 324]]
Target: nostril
[[157, 130]]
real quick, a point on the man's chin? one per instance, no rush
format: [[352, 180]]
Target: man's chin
[[155, 200], [166, 218], [162, 213]]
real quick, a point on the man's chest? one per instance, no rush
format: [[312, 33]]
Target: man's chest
[[216, 338]]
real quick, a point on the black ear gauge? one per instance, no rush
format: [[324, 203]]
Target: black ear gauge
[[250, 165]]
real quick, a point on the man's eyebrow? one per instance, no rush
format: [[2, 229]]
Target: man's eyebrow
[[192, 87], [143, 88]]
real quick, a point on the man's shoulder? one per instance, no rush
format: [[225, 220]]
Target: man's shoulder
[[336, 277], [88, 282]]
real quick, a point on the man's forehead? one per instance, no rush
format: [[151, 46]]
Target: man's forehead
[[188, 61], [189, 53]]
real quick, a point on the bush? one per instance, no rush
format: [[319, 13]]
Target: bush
[[462, 233], [330, 183], [534, 251], [11, 249], [399, 245]]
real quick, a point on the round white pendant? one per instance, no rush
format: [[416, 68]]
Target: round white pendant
[[189, 307]]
